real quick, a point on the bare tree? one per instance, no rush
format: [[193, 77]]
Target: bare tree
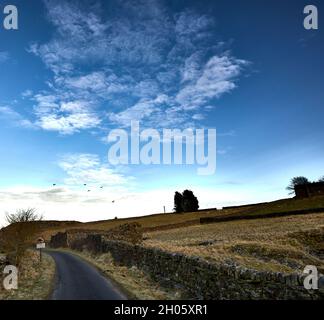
[[18, 235], [23, 215]]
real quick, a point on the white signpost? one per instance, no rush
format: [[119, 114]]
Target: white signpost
[[39, 246]]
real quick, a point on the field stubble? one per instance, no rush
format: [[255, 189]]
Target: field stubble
[[282, 244]]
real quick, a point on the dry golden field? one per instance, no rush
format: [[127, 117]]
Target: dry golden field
[[277, 244], [286, 243], [171, 220]]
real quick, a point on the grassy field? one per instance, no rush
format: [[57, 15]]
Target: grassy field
[[277, 244], [170, 220], [285, 243], [35, 279]]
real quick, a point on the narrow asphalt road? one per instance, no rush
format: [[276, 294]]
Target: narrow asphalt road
[[78, 280]]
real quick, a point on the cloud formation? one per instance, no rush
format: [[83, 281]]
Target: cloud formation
[[4, 56], [88, 169], [136, 61], [113, 63], [16, 118]]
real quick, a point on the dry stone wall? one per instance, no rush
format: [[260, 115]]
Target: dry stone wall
[[199, 278]]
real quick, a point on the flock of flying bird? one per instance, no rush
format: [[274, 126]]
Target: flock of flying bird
[[101, 187]]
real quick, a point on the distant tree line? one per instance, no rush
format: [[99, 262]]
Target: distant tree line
[[185, 202], [298, 181]]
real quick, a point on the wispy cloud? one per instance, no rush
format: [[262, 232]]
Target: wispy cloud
[[88, 169], [56, 195], [27, 93], [4, 56], [139, 62], [15, 117], [216, 78], [56, 113], [59, 203], [68, 124]]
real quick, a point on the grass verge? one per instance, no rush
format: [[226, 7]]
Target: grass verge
[[35, 279], [132, 281]]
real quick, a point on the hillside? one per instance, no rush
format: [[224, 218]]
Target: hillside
[[171, 220], [263, 243], [276, 244], [285, 243]]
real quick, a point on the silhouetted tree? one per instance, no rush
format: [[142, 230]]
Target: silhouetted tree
[[296, 181], [321, 179], [189, 201], [178, 202], [185, 202]]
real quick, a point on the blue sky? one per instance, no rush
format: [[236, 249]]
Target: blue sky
[[77, 69]]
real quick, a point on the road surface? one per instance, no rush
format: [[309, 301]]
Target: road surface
[[78, 280]]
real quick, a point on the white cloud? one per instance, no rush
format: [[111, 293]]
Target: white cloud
[[217, 77], [58, 113], [88, 169], [198, 116], [95, 81], [45, 103], [74, 106], [27, 93], [185, 27], [82, 35], [7, 111], [16, 118], [133, 56], [68, 124], [147, 89], [141, 110], [63, 203], [191, 69], [4, 56]]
